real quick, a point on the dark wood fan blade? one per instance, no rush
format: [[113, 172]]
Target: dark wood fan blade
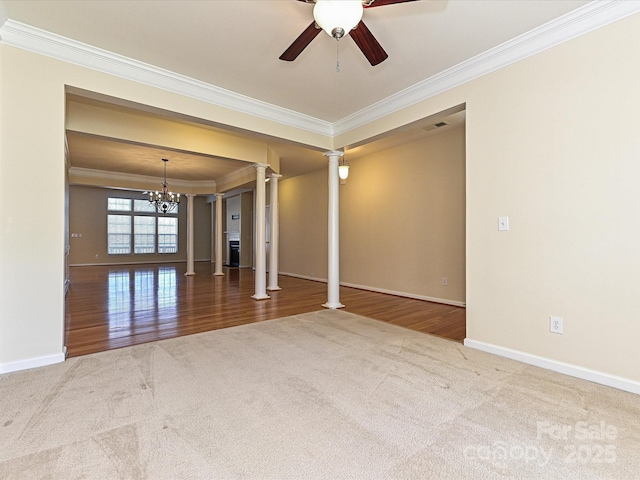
[[368, 44], [300, 43], [380, 3]]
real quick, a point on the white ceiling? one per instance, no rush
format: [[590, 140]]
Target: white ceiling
[[235, 45]]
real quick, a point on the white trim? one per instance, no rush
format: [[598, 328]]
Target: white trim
[[33, 362], [304, 277], [560, 367], [36, 40], [578, 22], [151, 262], [79, 172], [567, 27], [241, 173], [455, 303]]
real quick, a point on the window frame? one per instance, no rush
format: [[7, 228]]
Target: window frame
[[116, 207]]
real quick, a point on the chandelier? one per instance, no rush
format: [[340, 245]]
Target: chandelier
[[164, 201]]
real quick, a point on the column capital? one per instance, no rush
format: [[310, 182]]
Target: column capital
[[274, 175], [261, 165], [334, 153], [218, 195]]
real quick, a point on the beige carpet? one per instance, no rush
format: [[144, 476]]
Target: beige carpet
[[326, 395]]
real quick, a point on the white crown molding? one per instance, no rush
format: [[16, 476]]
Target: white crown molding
[[567, 27], [578, 22], [20, 35], [239, 174], [120, 177]]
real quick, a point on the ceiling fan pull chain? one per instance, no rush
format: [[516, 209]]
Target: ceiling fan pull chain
[[337, 55]]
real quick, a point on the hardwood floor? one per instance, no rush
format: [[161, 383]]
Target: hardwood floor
[[116, 306]]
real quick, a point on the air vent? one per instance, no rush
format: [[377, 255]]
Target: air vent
[[433, 126]]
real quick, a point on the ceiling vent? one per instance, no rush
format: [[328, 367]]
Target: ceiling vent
[[435, 125]]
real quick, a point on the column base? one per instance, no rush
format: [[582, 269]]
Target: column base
[[260, 297], [218, 274], [189, 274], [333, 306], [272, 289]]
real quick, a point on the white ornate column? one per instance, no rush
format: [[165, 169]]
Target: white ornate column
[[190, 242], [274, 239], [333, 280], [212, 245], [261, 241], [218, 270]]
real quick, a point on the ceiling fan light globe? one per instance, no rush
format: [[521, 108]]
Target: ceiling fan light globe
[[333, 15]]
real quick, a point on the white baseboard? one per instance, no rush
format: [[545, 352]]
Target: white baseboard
[[455, 303], [566, 368], [33, 362], [304, 277], [116, 264]]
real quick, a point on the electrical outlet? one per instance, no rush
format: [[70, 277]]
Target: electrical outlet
[[555, 324], [445, 282]]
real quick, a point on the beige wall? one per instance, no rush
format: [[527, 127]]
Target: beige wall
[[32, 239], [202, 229], [402, 217], [246, 229], [551, 141], [88, 216], [303, 224]]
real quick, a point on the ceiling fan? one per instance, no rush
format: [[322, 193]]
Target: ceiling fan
[[338, 18]]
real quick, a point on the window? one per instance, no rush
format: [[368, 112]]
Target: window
[[144, 234], [119, 234], [167, 235], [143, 206], [137, 220], [119, 204]]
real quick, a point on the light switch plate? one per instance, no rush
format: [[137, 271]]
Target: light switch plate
[[503, 224]]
